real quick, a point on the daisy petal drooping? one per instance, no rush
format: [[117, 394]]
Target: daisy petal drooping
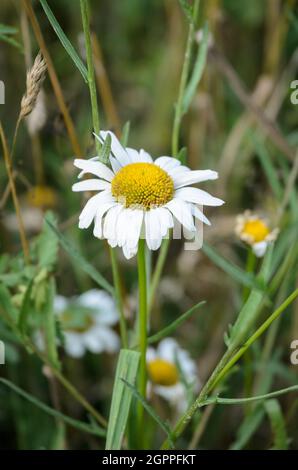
[[138, 197]]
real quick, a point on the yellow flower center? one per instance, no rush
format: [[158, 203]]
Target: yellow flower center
[[162, 372], [142, 185], [256, 229], [41, 196]]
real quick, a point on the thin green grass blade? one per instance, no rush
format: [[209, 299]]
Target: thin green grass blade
[[168, 330], [64, 40], [236, 273], [278, 425], [127, 367], [80, 260], [197, 71], [163, 425], [268, 167], [91, 429], [249, 312]]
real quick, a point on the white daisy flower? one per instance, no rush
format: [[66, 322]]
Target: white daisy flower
[[171, 373], [86, 322], [255, 231], [140, 197]]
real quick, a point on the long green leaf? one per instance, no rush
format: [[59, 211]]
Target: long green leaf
[[268, 168], [127, 367], [64, 40], [80, 260], [197, 71], [168, 330], [231, 269], [240, 401], [25, 308], [91, 429], [163, 425], [278, 424], [249, 312]]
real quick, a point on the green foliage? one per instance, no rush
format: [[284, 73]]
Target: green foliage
[[127, 367]]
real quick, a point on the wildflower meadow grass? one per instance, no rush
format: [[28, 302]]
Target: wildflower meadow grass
[[149, 224]]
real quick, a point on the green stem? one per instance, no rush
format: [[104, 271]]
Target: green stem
[[117, 284], [224, 366], [183, 82], [175, 138], [142, 323], [91, 75], [250, 267]]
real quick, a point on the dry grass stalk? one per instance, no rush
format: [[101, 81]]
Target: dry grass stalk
[[35, 78], [8, 165]]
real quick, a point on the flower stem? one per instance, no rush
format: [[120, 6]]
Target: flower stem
[[91, 75], [117, 284], [142, 328]]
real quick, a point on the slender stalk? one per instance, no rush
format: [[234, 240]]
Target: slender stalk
[[183, 82], [9, 170], [91, 75], [54, 79], [117, 285], [175, 138], [142, 328], [224, 366]]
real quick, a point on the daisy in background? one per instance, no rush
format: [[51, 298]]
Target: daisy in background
[[255, 231], [140, 198], [86, 322], [172, 373]]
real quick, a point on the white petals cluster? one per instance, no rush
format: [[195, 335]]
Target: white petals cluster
[[123, 226]]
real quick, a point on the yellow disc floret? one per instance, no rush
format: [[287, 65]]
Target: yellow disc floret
[[256, 230], [163, 372], [142, 185]]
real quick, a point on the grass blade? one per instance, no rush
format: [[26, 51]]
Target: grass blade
[[234, 271], [164, 426], [278, 424], [168, 330], [82, 262], [197, 71], [127, 367], [91, 429], [64, 40]]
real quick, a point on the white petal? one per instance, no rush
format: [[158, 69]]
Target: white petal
[[165, 220], [145, 156], [90, 185], [115, 164], [117, 149], [182, 211], [150, 354], [153, 230], [94, 167], [198, 196], [192, 177], [60, 303], [167, 349], [98, 228], [110, 224], [88, 213], [101, 339], [133, 230], [167, 163], [134, 155], [259, 249], [199, 214], [74, 345]]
